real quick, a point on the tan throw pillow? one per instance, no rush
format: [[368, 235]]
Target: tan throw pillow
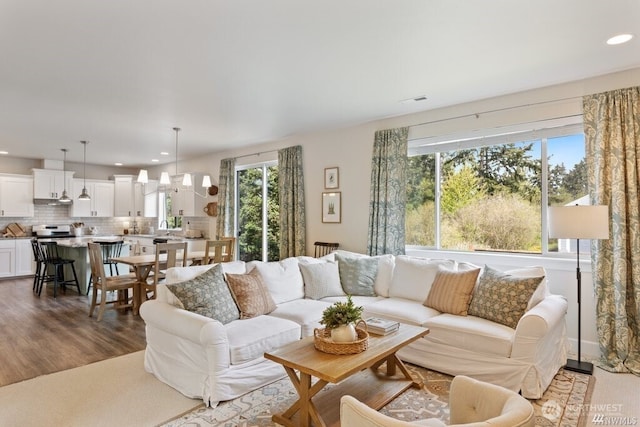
[[501, 297], [251, 294], [451, 291]]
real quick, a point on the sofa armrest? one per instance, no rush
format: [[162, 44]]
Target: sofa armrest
[[537, 324], [184, 324]]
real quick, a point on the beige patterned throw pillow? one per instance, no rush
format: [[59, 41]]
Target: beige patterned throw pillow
[[451, 291], [502, 298], [251, 294]]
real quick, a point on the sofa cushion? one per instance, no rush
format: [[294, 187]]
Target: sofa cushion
[[305, 312], [451, 291], [251, 294], [208, 295], [534, 271], [249, 339], [357, 275], [283, 278], [501, 297], [413, 276], [321, 280], [471, 333], [401, 310]]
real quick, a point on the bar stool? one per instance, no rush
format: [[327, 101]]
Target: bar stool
[[40, 265], [52, 260]]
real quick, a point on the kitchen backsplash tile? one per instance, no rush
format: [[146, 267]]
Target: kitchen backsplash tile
[[56, 215]]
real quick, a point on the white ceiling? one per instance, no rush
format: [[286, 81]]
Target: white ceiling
[[122, 73]]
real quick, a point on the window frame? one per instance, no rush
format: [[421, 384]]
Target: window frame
[[538, 131]]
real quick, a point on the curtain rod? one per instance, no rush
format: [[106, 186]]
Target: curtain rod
[[497, 110], [256, 154]]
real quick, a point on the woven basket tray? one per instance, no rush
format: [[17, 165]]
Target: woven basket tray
[[323, 342]]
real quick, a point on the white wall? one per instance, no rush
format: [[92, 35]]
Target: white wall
[[350, 149]]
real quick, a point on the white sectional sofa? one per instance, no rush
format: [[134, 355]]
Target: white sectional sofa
[[204, 358]]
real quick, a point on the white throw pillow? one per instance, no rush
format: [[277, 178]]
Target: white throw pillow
[[534, 271], [283, 278], [321, 280], [413, 276]]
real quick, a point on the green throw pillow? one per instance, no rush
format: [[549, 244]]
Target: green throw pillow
[[207, 294], [502, 298], [357, 275]]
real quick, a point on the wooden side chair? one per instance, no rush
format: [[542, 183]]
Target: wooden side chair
[[103, 284], [216, 251], [324, 248], [173, 254]]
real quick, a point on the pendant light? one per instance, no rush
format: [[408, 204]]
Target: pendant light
[[65, 199], [84, 195]]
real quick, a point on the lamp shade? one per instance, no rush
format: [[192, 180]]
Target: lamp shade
[[579, 222], [206, 181], [186, 180], [143, 176], [164, 178]]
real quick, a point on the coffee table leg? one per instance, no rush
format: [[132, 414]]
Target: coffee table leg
[[306, 390]]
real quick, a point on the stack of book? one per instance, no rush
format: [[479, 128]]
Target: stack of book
[[378, 326]]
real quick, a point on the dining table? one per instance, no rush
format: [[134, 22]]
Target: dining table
[[142, 266]]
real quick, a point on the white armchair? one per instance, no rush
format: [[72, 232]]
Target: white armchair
[[472, 403]]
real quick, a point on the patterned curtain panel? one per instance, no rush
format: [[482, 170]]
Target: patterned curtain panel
[[293, 226], [388, 192], [226, 199], [612, 132]]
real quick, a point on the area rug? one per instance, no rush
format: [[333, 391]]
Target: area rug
[[560, 406], [113, 392]]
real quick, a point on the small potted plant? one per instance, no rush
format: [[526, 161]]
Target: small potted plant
[[340, 318]]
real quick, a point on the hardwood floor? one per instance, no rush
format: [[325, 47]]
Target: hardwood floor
[[41, 335]]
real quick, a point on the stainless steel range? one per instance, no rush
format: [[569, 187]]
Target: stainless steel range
[[52, 231]]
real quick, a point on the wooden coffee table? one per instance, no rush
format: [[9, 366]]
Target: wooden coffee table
[[355, 374]]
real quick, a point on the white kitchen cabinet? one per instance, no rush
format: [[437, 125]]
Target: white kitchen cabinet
[[7, 258], [16, 196], [185, 202], [101, 202], [25, 263], [124, 196], [133, 198], [49, 183]]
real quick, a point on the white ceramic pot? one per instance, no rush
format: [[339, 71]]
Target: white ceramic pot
[[344, 333]]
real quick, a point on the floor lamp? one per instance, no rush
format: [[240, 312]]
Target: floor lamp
[[579, 222]]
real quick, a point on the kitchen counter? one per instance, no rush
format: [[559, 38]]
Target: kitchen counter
[[76, 248], [81, 242]]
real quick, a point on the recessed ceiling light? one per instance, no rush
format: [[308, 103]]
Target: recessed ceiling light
[[418, 98], [118, 164], [164, 153], [619, 39], [154, 160], [4, 152]]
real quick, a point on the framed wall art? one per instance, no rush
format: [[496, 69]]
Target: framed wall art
[[331, 178], [332, 207]]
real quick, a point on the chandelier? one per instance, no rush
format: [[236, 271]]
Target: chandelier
[[165, 179]]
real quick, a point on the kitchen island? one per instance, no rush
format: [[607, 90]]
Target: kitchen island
[[76, 248]]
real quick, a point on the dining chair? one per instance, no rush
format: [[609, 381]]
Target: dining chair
[[324, 248], [109, 250], [53, 268], [216, 251], [232, 247], [103, 284], [170, 254]]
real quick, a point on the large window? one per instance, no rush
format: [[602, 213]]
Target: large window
[[487, 194], [258, 212]]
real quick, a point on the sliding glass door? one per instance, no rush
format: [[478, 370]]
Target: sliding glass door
[[257, 212]]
